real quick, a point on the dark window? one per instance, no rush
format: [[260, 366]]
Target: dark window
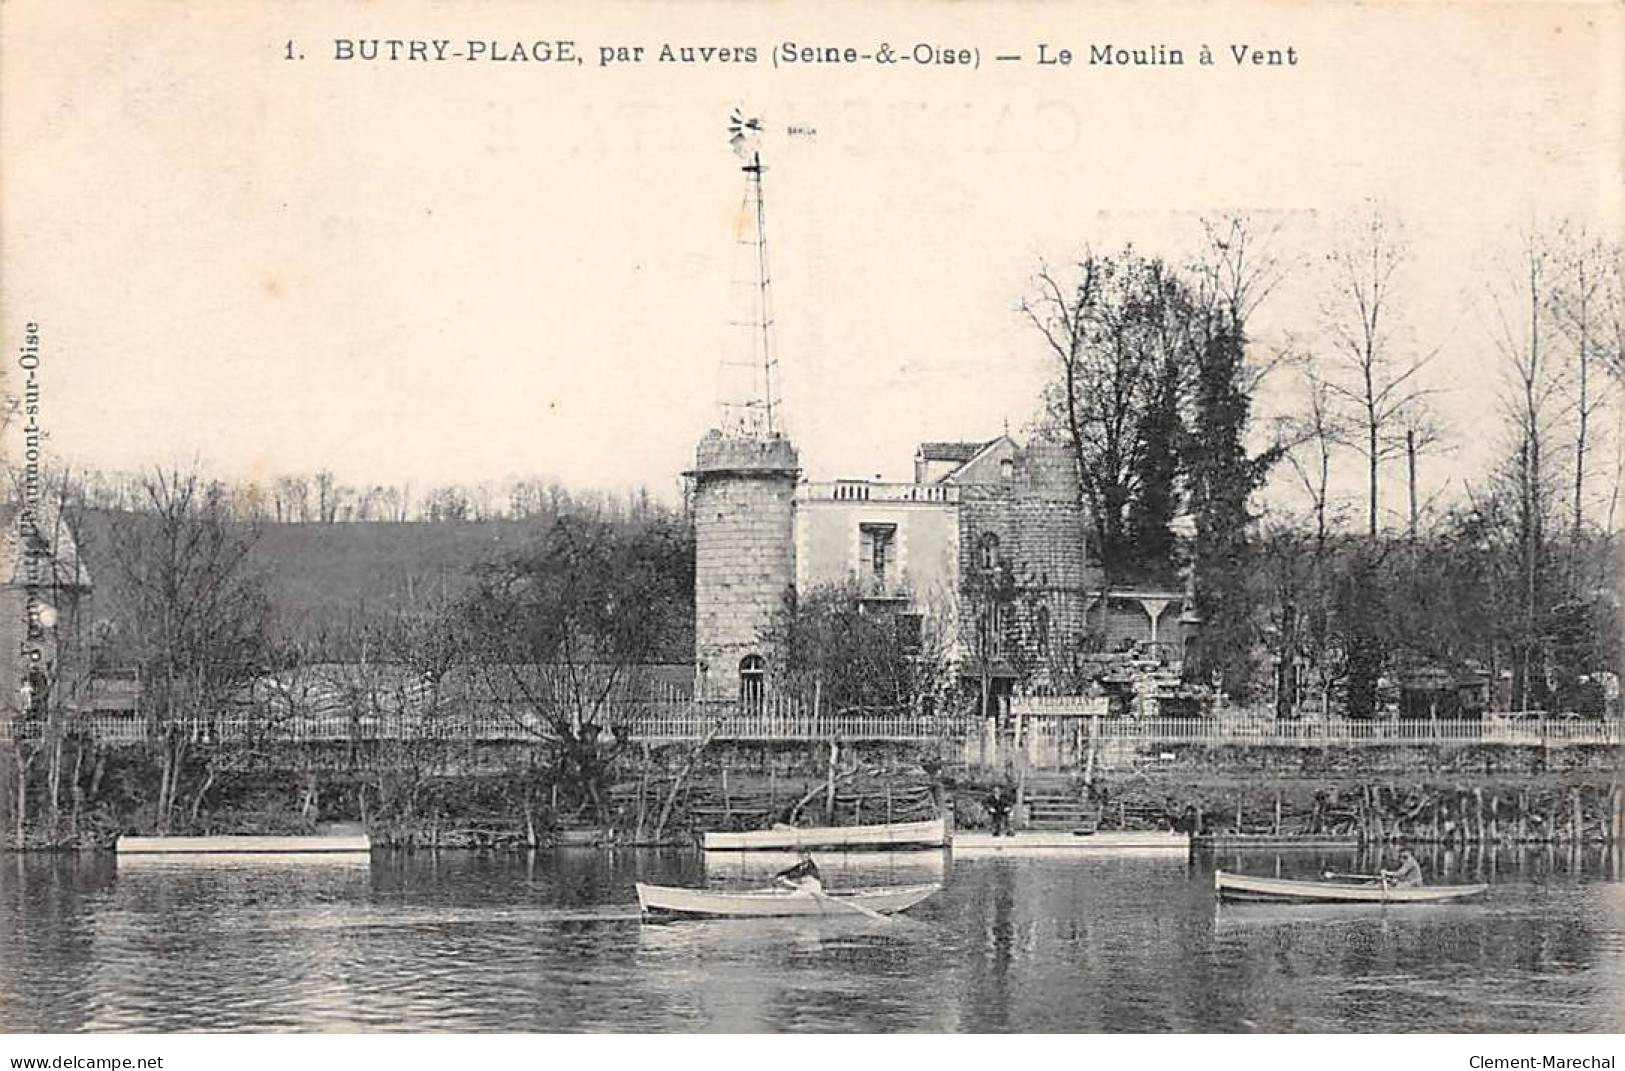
[[877, 549], [988, 551], [752, 681]]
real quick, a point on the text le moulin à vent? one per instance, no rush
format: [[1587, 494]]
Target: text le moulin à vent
[[791, 53]]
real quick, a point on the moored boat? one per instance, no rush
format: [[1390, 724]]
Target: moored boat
[[1061, 842], [668, 900], [1246, 887], [932, 833], [244, 845]]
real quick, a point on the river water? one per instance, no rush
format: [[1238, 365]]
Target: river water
[[552, 942]]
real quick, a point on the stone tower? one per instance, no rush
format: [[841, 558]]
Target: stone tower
[[744, 479], [744, 556]]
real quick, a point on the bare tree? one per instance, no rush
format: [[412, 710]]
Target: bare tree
[[330, 497], [58, 653], [249, 501], [448, 503], [1581, 299], [392, 501], [1378, 384], [1519, 325], [198, 617], [1314, 434], [1236, 272], [291, 494]]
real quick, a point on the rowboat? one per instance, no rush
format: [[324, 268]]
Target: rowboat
[[928, 834], [301, 845], [671, 900], [1245, 887]]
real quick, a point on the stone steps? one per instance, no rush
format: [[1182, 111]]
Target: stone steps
[[1047, 810]]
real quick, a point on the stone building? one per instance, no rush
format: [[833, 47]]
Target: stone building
[[744, 555], [989, 542]]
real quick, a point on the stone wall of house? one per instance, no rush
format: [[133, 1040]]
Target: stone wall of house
[[924, 556], [1029, 516], [744, 550]]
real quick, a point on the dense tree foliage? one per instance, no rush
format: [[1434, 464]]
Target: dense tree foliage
[[849, 655], [563, 634], [1122, 340]]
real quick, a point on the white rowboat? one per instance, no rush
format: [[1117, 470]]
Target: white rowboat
[[928, 834], [243, 845], [779, 903], [1053, 842], [1245, 887]]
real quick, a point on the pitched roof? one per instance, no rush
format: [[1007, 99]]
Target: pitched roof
[[945, 451]]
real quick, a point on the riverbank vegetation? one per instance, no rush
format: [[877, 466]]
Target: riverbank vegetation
[[1498, 590], [1257, 475]]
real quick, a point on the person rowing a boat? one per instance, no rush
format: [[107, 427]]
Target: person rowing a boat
[[803, 877], [1409, 872]]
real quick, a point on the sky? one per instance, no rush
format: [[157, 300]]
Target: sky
[[471, 270]]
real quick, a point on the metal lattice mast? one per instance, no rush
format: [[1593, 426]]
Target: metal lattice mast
[[764, 291], [761, 405]]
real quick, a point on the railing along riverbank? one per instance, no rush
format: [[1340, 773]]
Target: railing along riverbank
[[666, 723], [1273, 732]]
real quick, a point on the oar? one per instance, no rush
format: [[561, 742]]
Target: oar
[[1333, 875], [853, 905]]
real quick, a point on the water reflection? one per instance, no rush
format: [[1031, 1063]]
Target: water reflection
[[552, 941], [1496, 864], [727, 870]]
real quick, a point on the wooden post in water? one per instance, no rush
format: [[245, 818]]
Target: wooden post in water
[[829, 790], [1577, 819], [1619, 816], [1277, 812], [1617, 811], [727, 804], [1020, 745]]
